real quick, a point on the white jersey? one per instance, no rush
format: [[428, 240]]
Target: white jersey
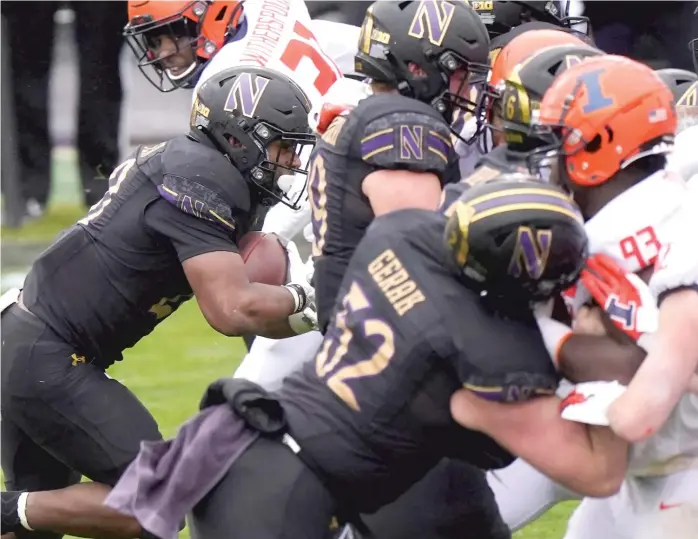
[[278, 34], [684, 159], [633, 228]]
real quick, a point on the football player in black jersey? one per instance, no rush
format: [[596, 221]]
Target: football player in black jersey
[[394, 149], [390, 152], [517, 85], [428, 305], [370, 416], [165, 231]]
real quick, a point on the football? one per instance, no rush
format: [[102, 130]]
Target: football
[[265, 258]]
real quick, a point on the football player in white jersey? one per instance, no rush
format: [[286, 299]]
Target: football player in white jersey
[[611, 123], [523, 493], [684, 159]]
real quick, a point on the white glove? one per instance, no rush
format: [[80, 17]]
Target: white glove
[[293, 186], [304, 321], [306, 318], [310, 269], [588, 402]]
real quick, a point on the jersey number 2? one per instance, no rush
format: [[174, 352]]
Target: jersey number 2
[[357, 306], [297, 49]]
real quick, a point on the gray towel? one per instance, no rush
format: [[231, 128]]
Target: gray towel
[[168, 478]]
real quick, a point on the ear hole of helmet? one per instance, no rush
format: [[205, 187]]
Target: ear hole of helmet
[[234, 142], [221, 14]]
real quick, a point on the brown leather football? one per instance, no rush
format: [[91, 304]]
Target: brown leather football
[[265, 257]]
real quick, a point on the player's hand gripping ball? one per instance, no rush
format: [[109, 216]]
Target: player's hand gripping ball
[[265, 258]]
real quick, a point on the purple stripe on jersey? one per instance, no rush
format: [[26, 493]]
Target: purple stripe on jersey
[[437, 144], [371, 145]]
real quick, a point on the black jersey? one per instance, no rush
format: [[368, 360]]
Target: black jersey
[[111, 278], [371, 413], [385, 131]]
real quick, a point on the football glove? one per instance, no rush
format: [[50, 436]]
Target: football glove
[[588, 402], [624, 297], [304, 318]]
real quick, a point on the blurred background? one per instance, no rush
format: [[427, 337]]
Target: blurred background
[[62, 137]]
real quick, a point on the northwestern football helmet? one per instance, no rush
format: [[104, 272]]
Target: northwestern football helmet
[[242, 112], [501, 16], [517, 238], [417, 46]]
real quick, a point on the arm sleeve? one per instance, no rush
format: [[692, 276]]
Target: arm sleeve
[[506, 359], [189, 235]]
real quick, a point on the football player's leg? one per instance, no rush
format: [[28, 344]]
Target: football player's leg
[[523, 493], [268, 493], [452, 497], [71, 409], [271, 360], [249, 339], [594, 518], [663, 506], [27, 467]]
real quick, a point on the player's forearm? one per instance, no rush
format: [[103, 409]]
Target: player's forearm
[[588, 460], [589, 358], [665, 375], [259, 310]]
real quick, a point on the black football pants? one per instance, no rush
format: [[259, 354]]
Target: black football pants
[[268, 493], [62, 418], [98, 32], [453, 501]]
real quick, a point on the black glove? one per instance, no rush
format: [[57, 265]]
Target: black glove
[[253, 403]]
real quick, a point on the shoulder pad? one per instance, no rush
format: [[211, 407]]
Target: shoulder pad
[[145, 153], [201, 182], [407, 140]]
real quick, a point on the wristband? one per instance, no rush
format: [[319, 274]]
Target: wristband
[[22, 511], [300, 298]]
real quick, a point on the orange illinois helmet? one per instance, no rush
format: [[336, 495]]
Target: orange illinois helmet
[[602, 115], [196, 30]]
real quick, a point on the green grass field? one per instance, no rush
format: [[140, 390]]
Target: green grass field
[[170, 368]]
